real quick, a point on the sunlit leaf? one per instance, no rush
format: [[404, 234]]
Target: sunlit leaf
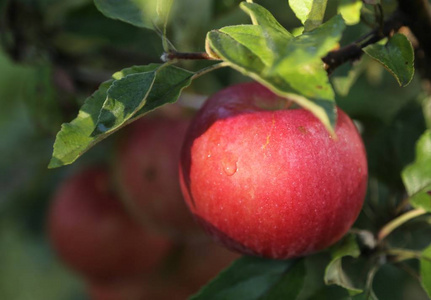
[[75, 137], [397, 56], [290, 66], [310, 12], [141, 13], [264, 18], [417, 176], [350, 10], [130, 94]]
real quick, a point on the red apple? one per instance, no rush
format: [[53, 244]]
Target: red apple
[[93, 234], [147, 173], [200, 262], [191, 267], [269, 181], [152, 287], [117, 290]]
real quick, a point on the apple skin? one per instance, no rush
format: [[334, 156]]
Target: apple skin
[[268, 181], [92, 233], [146, 172]]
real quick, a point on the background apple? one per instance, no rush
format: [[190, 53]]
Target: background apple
[[269, 181], [146, 171], [92, 233], [117, 290], [200, 262], [191, 266]]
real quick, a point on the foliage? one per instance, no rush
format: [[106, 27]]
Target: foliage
[[57, 53]]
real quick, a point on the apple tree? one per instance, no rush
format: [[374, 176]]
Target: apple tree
[[371, 58]]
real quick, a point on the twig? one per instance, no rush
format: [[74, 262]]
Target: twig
[[353, 51], [334, 58], [173, 55], [394, 224]]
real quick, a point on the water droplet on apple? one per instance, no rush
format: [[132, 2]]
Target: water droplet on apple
[[230, 165], [230, 169]]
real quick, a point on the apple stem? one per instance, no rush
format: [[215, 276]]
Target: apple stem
[[395, 223]]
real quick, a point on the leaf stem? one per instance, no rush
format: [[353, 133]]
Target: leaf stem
[[378, 10], [209, 69], [394, 224]]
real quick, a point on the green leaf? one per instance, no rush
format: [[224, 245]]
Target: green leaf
[[425, 267], [289, 66], [141, 13], [417, 175], [290, 284], [310, 12], [75, 137], [256, 278], [345, 77], [116, 103], [397, 56], [275, 35], [350, 10], [263, 17], [334, 273], [245, 61], [124, 98]]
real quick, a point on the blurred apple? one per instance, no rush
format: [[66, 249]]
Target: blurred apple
[[201, 262], [146, 171], [93, 234], [190, 267]]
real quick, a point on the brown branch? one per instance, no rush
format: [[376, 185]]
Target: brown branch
[[353, 51], [333, 59], [412, 13], [172, 55]]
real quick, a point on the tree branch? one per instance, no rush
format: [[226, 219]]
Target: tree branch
[[333, 59], [412, 13], [353, 51], [171, 55]]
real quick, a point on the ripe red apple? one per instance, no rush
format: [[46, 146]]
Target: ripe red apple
[[147, 172], [92, 233], [269, 181]]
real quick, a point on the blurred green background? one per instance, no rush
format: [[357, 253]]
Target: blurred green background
[[55, 54]]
